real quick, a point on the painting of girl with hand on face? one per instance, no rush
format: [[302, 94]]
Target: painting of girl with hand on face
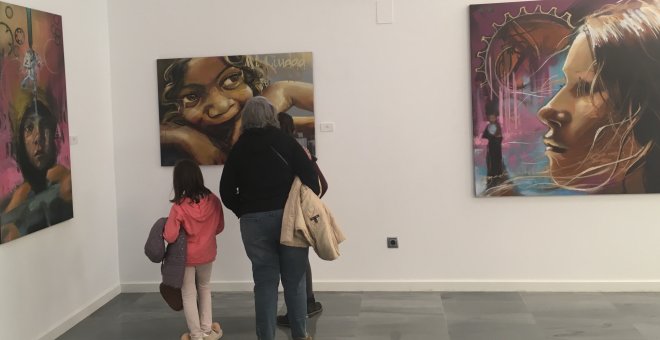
[[601, 128], [201, 100]]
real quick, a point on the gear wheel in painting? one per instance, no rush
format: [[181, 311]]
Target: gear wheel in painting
[[520, 46]]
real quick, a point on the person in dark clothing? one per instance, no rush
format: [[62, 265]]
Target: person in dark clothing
[[255, 185], [493, 132], [313, 307]]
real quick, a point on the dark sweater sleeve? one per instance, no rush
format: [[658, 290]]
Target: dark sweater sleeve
[[304, 168], [229, 184]]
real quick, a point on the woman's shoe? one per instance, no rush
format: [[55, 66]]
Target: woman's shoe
[[283, 320], [314, 308]]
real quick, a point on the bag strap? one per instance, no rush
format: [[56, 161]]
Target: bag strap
[[323, 184], [322, 181], [280, 156]]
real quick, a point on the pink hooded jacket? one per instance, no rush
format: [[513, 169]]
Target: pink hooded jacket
[[201, 221]]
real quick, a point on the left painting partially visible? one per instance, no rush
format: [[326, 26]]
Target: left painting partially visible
[[35, 161]]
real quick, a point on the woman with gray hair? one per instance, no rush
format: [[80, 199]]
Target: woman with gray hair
[[259, 115], [255, 184]]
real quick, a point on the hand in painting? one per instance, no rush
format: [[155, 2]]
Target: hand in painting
[[62, 176], [9, 232], [58, 174], [193, 142], [285, 94]]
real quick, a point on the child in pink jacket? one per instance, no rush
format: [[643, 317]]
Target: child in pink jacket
[[199, 212]]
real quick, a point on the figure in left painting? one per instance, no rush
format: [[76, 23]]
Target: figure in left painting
[[35, 162]]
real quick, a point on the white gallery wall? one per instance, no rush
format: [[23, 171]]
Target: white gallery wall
[[52, 278], [399, 162]]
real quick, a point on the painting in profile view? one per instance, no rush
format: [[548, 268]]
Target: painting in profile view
[[566, 97], [35, 162], [200, 101]]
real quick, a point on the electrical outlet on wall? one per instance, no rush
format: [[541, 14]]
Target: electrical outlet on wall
[[392, 242]]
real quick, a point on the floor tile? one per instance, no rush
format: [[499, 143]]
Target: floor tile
[[399, 316]]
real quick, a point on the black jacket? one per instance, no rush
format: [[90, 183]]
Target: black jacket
[[260, 169]]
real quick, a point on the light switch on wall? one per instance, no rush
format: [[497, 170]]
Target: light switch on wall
[[385, 11], [327, 127], [73, 140]]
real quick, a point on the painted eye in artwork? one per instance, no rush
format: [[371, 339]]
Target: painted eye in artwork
[[190, 100], [584, 88], [232, 81], [29, 128]]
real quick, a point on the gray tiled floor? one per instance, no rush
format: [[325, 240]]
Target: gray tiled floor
[[402, 316]]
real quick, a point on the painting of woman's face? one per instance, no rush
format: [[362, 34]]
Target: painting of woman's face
[[576, 85], [39, 142], [213, 91], [574, 116]]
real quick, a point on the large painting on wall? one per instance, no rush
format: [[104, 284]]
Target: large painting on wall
[[566, 97], [35, 163], [200, 101]]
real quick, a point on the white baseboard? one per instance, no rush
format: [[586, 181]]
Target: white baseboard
[[492, 286], [442, 286], [152, 287], [81, 314]]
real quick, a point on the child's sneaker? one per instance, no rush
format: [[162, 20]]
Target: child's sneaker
[[186, 336], [216, 332]]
